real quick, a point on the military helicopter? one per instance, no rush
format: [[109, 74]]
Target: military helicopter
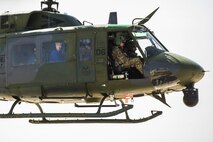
[[84, 74]]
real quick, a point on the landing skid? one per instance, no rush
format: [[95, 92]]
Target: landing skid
[[127, 120], [98, 117]]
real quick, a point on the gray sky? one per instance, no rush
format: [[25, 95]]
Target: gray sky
[[183, 26]]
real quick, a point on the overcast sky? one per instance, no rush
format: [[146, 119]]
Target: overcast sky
[[183, 26]]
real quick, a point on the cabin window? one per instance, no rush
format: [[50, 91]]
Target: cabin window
[[85, 49], [54, 51], [2, 64], [4, 22], [24, 54]]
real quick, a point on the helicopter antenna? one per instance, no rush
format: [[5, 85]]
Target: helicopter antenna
[[49, 7]]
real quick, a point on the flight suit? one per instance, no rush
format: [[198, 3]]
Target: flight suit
[[121, 59]]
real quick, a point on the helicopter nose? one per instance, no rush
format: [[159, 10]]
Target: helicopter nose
[[190, 72]]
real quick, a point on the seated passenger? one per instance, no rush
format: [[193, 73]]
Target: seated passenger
[[57, 55], [122, 59]]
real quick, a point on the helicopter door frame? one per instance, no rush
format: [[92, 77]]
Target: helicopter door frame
[[101, 60], [85, 56], [118, 72]]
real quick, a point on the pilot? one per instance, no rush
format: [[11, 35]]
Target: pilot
[[130, 49], [57, 55], [121, 58]]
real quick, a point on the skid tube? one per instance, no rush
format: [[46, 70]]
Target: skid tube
[[126, 120]]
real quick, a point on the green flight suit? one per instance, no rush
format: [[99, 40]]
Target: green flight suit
[[121, 59]]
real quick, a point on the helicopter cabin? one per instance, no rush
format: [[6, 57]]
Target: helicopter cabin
[[86, 51], [20, 22]]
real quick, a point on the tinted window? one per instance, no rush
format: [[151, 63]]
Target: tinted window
[[54, 51], [23, 54], [41, 20], [85, 49], [4, 22]]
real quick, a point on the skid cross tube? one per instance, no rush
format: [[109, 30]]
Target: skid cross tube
[[13, 106]]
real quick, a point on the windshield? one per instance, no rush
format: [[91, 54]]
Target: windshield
[[148, 43]]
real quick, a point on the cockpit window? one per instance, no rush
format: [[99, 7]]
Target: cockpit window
[[147, 42]]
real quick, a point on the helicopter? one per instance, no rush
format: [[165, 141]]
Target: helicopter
[[85, 73]]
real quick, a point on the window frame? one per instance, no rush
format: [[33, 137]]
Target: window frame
[[45, 53]]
